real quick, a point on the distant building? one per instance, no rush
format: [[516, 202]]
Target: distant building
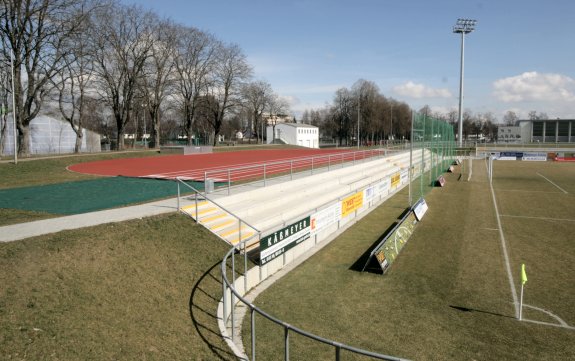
[[533, 131], [304, 135]]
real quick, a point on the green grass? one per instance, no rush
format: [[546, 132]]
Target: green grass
[[447, 297], [139, 290]]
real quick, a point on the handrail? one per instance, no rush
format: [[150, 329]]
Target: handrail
[[197, 192]]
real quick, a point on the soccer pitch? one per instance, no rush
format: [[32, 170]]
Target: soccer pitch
[[453, 293]]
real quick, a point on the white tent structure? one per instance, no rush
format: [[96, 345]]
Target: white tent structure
[[49, 136]]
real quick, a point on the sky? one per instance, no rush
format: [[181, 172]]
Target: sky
[[521, 56]]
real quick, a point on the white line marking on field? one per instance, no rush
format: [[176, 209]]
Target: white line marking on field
[[549, 323], [550, 181], [561, 322], [524, 191], [505, 255], [542, 218]]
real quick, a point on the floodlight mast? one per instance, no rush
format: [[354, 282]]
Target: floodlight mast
[[463, 26]]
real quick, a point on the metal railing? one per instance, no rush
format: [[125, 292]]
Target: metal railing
[[253, 309], [198, 196], [266, 170]]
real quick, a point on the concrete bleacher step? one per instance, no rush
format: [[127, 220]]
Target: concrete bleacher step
[[219, 222]]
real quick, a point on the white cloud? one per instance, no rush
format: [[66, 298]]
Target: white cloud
[[533, 86], [419, 91]]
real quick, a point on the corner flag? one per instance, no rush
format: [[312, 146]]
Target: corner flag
[[523, 274]]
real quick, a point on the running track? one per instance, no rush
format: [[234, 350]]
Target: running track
[[195, 166]]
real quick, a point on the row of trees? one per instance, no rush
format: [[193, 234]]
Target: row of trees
[[365, 111], [100, 60]]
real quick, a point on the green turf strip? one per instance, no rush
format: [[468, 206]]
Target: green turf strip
[[89, 195]]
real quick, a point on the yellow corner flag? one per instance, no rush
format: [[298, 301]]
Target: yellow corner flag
[[523, 274]]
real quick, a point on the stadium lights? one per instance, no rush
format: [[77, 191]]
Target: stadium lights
[[463, 26]]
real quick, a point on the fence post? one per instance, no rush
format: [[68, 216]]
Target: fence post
[[264, 174], [245, 268], [196, 203], [232, 296], [224, 315], [291, 170], [229, 182], [178, 182], [337, 352], [253, 317], [312, 165], [286, 342]]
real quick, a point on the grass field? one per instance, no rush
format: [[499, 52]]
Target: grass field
[[449, 295], [139, 290]]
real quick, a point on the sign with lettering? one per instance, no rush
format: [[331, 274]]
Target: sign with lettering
[[277, 243], [325, 218], [395, 179], [351, 204]]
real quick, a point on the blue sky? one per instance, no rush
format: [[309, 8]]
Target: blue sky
[[521, 56]]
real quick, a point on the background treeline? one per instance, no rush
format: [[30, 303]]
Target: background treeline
[[119, 69]]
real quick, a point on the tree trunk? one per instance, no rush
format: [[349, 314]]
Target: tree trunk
[[23, 140], [79, 137]]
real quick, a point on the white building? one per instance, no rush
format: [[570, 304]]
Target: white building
[[304, 135]]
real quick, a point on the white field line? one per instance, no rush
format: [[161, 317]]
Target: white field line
[[548, 323], [550, 181], [525, 191], [505, 255], [541, 218], [561, 322]]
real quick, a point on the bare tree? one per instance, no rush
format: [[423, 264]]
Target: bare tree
[[256, 97], [72, 83], [510, 118], [341, 115], [194, 61], [158, 75], [224, 90], [123, 38], [276, 108], [35, 31]]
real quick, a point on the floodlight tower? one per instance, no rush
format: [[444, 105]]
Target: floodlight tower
[[463, 26]]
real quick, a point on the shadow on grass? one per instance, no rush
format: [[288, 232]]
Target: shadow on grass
[[203, 304], [467, 309]]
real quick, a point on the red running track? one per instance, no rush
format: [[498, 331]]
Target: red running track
[[172, 166]]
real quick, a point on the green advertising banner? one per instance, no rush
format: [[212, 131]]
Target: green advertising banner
[[388, 251], [277, 243]]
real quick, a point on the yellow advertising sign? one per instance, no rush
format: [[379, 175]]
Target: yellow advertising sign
[[395, 179], [351, 203]]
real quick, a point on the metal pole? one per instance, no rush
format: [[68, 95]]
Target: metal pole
[[253, 317], [358, 115], [14, 108], [410, 159], [286, 343], [460, 130]]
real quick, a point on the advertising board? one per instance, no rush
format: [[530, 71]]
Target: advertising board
[[420, 208], [387, 251], [395, 180], [325, 218], [351, 204], [277, 243]]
